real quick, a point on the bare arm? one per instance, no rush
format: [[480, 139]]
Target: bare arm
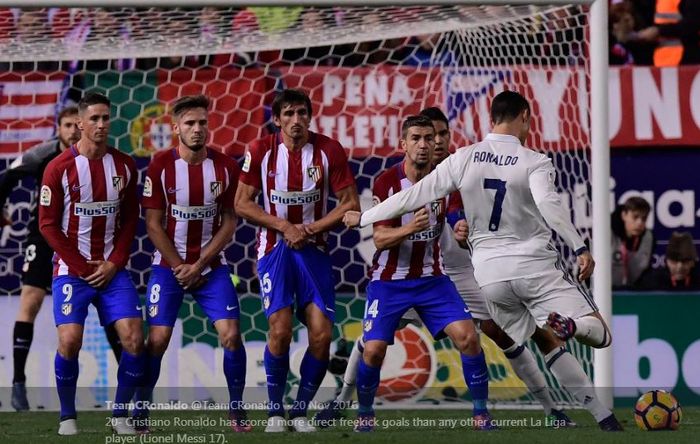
[[248, 208], [220, 240], [348, 200], [160, 239]]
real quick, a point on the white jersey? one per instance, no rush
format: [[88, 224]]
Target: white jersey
[[510, 201]]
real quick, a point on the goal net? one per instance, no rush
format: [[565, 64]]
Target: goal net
[[365, 69]]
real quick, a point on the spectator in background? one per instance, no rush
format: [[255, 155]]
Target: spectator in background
[[632, 243], [624, 20], [680, 272], [313, 19], [675, 32]]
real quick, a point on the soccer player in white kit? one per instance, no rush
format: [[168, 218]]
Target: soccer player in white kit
[[457, 265], [510, 202]]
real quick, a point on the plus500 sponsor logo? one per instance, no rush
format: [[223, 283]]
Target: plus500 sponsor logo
[[430, 233], [193, 213], [94, 209], [294, 197]]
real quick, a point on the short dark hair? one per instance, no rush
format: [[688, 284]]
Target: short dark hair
[[93, 98], [290, 96], [65, 112], [185, 103], [506, 106], [681, 247], [411, 121], [636, 203], [434, 113]]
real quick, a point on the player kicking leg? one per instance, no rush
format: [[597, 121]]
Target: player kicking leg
[[522, 308]]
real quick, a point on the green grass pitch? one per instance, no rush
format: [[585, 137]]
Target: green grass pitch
[[403, 426]]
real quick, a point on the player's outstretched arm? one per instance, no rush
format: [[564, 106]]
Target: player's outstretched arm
[[386, 237], [348, 200], [439, 183]]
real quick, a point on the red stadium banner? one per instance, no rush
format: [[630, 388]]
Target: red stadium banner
[[363, 107]]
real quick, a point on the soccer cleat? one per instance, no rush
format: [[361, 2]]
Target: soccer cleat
[[329, 415], [19, 397], [68, 427], [365, 423], [610, 424], [276, 424], [558, 419], [239, 421], [563, 327], [303, 425], [122, 426], [484, 422]]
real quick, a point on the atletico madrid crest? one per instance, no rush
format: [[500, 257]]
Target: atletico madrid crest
[[66, 309], [368, 325], [118, 182], [153, 311], [314, 173], [215, 188], [266, 302]]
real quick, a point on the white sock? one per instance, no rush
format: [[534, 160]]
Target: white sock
[[350, 375], [591, 331], [523, 362], [569, 373]]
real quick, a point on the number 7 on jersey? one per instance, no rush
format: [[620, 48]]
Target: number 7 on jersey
[[500, 187]]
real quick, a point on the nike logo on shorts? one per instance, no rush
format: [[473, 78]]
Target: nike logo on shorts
[[229, 308]]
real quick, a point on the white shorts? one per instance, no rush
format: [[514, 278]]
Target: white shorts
[[470, 292], [520, 305]]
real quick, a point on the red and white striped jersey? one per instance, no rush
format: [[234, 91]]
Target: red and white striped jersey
[[88, 210], [419, 254], [295, 184], [192, 197]]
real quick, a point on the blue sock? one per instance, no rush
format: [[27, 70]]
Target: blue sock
[[66, 381], [276, 368], [150, 378], [367, 384], [129, 377], [312, 372], [477, 377], [234, 370]]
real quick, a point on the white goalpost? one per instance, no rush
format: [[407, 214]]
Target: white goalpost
[[366, 65]]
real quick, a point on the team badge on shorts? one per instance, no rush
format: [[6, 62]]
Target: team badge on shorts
[[153, 311], [368, 325], [215, 188], [314, 173], [66, 309], [266, 302]]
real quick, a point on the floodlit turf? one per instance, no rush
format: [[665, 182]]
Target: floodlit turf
[[404, 427]]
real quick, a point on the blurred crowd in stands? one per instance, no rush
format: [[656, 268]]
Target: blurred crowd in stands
[[654, 32], [642, 32]]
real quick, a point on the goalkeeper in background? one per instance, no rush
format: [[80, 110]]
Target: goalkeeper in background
[[37, 269]]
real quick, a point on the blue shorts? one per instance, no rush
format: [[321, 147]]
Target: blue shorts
[[307, 274], [217, 296], [72, 296], [435, 299]]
